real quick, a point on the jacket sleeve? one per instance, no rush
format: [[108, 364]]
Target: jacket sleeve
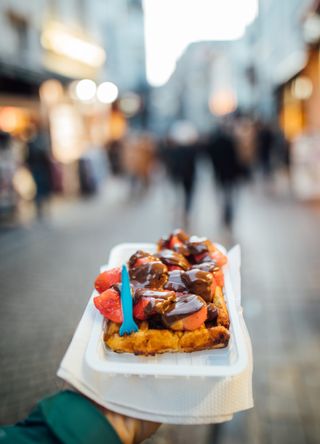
[[67, 418]]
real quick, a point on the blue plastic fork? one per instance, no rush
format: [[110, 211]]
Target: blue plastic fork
[[128, 326]]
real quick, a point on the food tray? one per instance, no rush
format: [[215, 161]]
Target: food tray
[[228, 361]]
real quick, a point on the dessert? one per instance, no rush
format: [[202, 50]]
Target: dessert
[[178, 299]]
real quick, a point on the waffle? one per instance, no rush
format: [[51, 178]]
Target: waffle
[[150, 342], [178, 299]]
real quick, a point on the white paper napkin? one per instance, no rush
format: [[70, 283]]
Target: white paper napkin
[[182, 400]]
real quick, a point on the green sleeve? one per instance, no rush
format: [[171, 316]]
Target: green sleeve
[[67, 418]]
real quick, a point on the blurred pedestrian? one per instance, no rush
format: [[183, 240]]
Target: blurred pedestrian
[[114, 149], [227, 168], [38, 161], [118, 128], [7, 170], [245, 138], [179, 154], [265, 146], [137, 161]]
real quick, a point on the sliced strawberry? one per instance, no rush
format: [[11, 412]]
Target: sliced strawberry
[[174, 241], [213, 287], [195, 320], [143, 260], [219, 277], [107, 278], [139, 309], [109, 305], [174, 267], [219, 258], [199, 257]]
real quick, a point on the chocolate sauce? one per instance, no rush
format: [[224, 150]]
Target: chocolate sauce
[[212, 316], [198, 245], [198, 282], [205, 266], [175, 282], [150, 275], [180, 242], [139, 255], [157, 301], [155, 294], [155, 322], [212, 312], [170, 257], [164, 242], [185, 305], [181, 235], [117, 287]]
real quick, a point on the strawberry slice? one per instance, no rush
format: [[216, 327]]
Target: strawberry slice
[[142, 261], [213, 287], [109, 305], [139, 309], [195, 320], [198, 258], [174, 267], [219, 258], [106, 279], [174, 241], [219, 277]]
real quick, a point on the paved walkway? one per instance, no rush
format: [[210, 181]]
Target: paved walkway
[[46, 275]]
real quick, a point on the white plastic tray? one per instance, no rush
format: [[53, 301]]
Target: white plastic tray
[[228, 361]]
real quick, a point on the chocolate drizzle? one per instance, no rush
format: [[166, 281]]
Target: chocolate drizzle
[[175, 282], [212, 312], [198, 282], [150, 275], [198, 245], [205, 266], [181, 235], [170, 257], [184, 305], [155, 294], [141, 255], [157, 301]]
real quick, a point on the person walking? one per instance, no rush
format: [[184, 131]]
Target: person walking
[[227, 170], [38, 161], [179, 154]]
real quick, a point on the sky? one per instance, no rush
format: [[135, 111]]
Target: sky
[[171, 25]]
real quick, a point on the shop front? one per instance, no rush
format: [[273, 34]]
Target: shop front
[[300, 117]]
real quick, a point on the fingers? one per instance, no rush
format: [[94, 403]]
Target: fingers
[[130, 430], [145, 430]]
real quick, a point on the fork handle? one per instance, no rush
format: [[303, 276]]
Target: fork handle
[[126, 297]]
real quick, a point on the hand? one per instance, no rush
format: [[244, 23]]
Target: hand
[[130, 430]]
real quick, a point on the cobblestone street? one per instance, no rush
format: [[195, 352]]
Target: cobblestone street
[[46, 275]]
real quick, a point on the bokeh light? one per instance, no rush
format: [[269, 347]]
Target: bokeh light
[[51, 91], [222, 103], [24, 184], [85, 90], [107, 92], [130, 104], [302, 88]]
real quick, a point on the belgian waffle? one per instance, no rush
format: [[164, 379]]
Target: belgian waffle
[[178, 299]]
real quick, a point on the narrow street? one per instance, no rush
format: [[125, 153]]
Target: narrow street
[[47, 271]]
